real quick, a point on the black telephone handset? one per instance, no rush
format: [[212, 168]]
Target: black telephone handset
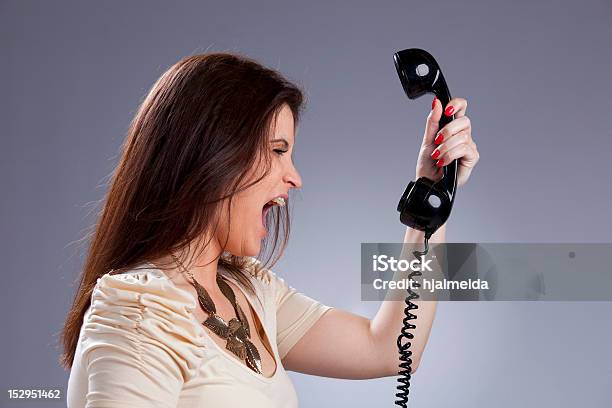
[[426, 204]]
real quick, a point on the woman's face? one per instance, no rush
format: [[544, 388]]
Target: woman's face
[[249, 207]]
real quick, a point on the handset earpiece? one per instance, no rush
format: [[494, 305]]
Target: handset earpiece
[[426, 204]]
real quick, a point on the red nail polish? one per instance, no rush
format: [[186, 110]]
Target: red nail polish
[[439, 138], [435, 154], [440, 163], [433, 103], [449, 110]]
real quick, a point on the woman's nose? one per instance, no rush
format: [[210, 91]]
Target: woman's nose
[[293, 177]]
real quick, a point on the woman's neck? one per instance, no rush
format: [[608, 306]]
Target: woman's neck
[[203, 264]]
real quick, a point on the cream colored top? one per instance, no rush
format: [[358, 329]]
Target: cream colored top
[[140, 346]]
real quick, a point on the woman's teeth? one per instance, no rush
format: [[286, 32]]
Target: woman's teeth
[[278, 201]]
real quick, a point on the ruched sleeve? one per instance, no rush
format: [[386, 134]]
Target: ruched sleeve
[[295, 312], [139, 342]]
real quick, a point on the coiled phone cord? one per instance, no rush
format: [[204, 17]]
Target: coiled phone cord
[[404, 346]]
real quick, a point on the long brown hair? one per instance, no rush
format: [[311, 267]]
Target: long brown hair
[[202, 127]]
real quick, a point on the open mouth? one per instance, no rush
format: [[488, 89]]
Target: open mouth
[[280, 201]]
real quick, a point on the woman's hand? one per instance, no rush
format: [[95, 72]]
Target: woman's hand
[[454, 141]]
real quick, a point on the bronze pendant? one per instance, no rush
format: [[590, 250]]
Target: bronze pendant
[[236, 346], [253, 359], [217, 325], [236, 332], [204, 299]]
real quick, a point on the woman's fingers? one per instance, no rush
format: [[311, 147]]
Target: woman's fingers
[[464, 150], [454, 127], [452, 142], [463, 137], [457, 107], [433, 122]]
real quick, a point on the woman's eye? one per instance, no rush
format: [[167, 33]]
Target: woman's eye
[[280, 152]]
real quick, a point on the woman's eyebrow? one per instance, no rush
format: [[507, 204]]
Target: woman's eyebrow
[[283, 141]]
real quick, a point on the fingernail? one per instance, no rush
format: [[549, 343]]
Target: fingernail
[[433, 103], [435, 154], [440, 163], [449, 110], [439, 138]]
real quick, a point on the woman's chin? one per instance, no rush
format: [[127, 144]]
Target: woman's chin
[[252, 250]]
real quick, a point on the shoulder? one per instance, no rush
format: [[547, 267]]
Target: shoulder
[[143, 308], [144, 286], [143, 292]]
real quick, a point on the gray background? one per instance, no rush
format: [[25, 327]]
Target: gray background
[[536, 75]]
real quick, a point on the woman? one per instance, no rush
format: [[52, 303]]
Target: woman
[[173, 309]]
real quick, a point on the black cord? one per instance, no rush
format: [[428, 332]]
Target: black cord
[[404, 346]]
